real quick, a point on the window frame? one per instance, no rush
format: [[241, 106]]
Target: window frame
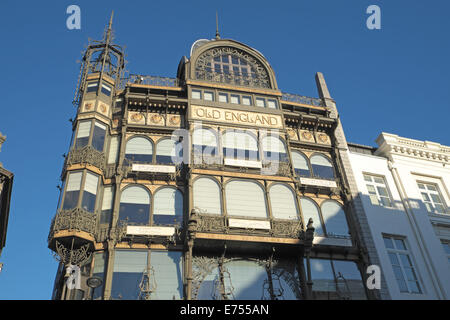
[[431, 201], [81, 191], [314, 175], [397, 252], [375, 185], [91, 134]]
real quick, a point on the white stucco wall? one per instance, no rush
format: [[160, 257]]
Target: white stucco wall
[[415, 225]]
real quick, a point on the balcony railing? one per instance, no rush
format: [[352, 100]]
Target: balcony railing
[[86, 155], [150, 80], [75, 219], [290, 97]]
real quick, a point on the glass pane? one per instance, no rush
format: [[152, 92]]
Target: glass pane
[[378, 180], [129, 268], [425, 197], [439, 208], [209, 96], [367, 178], [400, 279], [246, 101], [388, 243], [410, 275], [223, 97], [168, 275], [385, 202], [374, 200], [421, 186], [196, 94], [244, 280], [382, 192], [371, 189], [431, 187], [400, 244], [88, 202], [394, 259], [435, 198], [406, 262], [98, 139]]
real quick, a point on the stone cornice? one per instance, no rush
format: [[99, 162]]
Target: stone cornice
[[391, 144]]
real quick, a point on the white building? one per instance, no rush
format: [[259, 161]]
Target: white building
[[404, 189]]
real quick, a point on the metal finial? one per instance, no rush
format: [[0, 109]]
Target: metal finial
[[108, 34], [217, 27]]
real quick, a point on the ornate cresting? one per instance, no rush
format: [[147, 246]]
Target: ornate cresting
[[86, 155], [256, 76]]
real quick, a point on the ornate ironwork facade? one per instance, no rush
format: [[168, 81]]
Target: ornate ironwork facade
[[218, 232]]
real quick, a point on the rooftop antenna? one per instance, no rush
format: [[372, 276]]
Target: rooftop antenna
[[217, 27]]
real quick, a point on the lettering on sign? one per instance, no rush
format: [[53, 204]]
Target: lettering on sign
[[150, 231], [249, 224], [236, 117], [318, 182], [152, 168]]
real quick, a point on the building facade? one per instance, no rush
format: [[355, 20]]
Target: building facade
[[211, 185], [6, 183], [404, 187]]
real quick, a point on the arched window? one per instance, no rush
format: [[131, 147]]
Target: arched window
[[135, 205], [205, 143], [322, 167], [283, 202], [207, 196], [310, 210], [245, 198], [274, 149], [139, 149], [334, 218], [233, 66], [168, 206], [169, 151], [300, 163], [240, 145]]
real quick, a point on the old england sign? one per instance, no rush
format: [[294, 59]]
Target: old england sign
[[236, 117]]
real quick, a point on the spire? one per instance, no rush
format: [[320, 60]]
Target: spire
[[108, 36], [217, 27]]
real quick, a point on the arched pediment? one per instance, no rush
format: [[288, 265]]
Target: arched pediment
[[232, 63]]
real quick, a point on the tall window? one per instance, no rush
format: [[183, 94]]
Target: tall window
[[402, 265], [72, 193], [135, 205], [99, 271], [322, 167], [240, 145], [204, 143], [139, 149], [168, 206], [207, 196], [378, 192], [274, 149], [113, 149], [90, 192], [300, 163], [169, 151], [98, 137], [431, 198], [283, 202], [134, 271], [336, 280], [334, 218], [245, 198], [76, 188], [310, 210], [84, 135], [107, 205]]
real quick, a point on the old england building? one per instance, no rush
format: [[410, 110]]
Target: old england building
[[211, 185]]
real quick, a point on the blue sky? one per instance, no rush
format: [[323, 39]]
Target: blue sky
[[390, 80]]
